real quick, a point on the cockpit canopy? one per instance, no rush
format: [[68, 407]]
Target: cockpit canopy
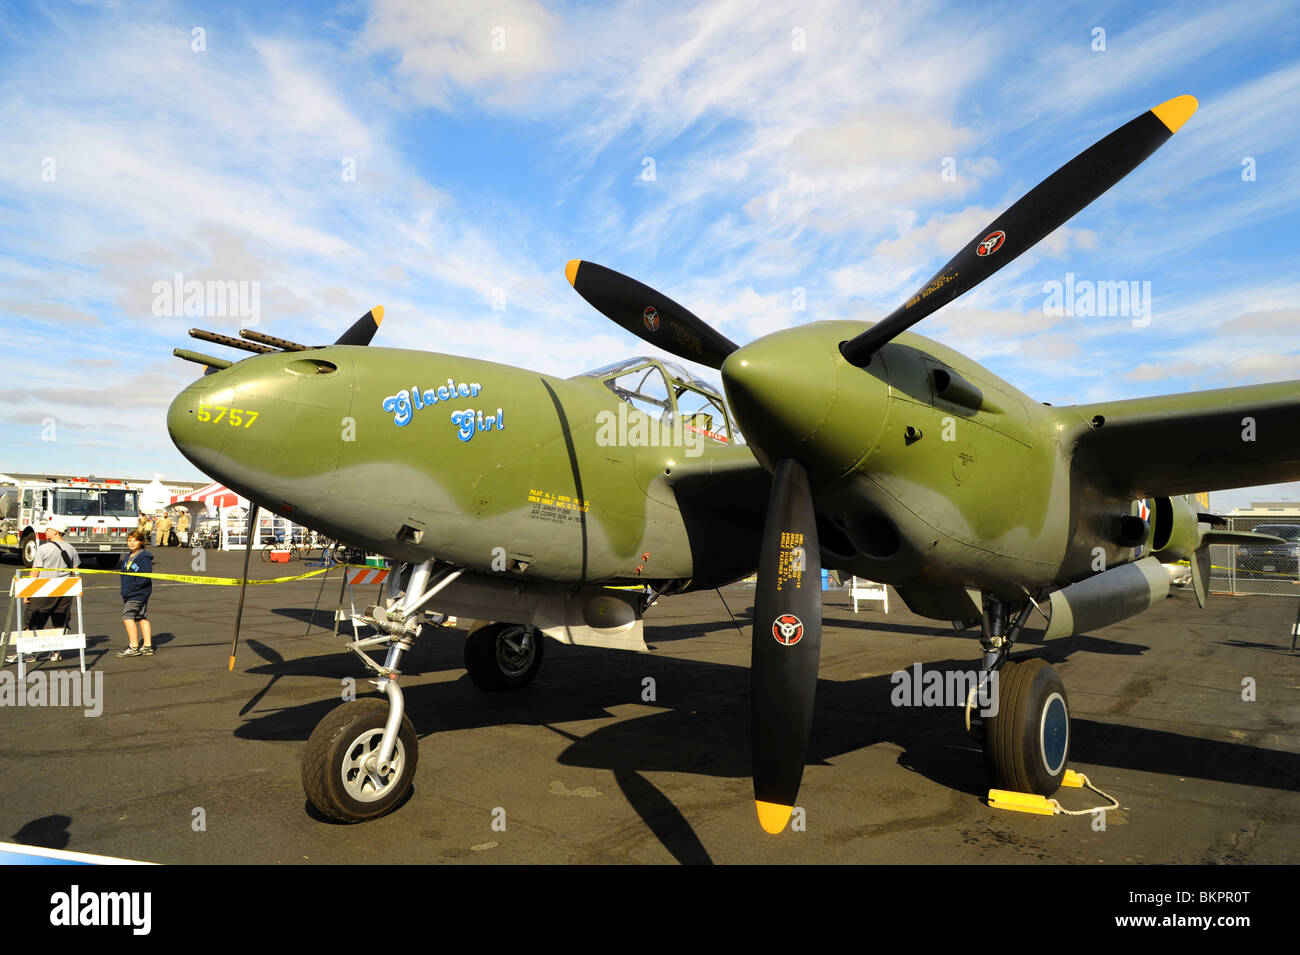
[[665, 391]]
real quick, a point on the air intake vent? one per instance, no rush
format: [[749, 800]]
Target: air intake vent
[[950, 386], [410, 535]]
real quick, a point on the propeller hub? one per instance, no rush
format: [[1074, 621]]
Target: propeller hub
[[795, 396]]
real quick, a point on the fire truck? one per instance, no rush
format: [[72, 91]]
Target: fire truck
[[99, 515]]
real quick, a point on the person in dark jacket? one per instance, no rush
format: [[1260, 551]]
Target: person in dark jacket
[[135, 596]]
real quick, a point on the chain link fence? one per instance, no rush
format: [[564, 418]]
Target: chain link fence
[[1264, 568]]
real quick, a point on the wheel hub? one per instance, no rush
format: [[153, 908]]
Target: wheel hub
[[1054, 733], [515, 651], [362, 781]]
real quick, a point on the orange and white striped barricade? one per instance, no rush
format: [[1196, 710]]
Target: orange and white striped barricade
[[355, 577], [45, 641], [359, 576]]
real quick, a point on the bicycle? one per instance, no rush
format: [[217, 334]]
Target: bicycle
[[295, 549]]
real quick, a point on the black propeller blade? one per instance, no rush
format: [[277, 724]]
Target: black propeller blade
[[363, 329], [648, 314], [1048, 205], [248, 552], [787, 645]]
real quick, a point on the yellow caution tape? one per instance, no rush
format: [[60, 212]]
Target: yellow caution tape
[[1247, 572], [194, 579]]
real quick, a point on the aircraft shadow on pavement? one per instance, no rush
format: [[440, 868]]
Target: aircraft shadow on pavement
[[1247, 645], [47, 832], [98, 646], [704, 726], [339, 665], [320, 622]]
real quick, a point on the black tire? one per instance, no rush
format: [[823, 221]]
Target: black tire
[[1027, 743], [27, 549], [503, 656], [330, 777], [107, 561]]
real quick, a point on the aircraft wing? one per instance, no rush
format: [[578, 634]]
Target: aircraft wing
[[1198, 441], [723, 502]]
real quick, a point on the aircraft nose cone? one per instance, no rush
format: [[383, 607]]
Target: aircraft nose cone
[[201, 446], [786, 391], [272, 423]]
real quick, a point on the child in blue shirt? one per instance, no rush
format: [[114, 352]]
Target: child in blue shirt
[[135, 596]]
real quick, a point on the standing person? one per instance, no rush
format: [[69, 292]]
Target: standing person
[[183, 528], [164, 530], [53, 559], [135, 596]]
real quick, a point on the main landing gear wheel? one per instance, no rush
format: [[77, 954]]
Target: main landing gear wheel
[[334, 774], [503, 656], [1027, 744]]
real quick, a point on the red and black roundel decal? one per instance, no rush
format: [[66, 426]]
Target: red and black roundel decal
[[651, 317], [788, 629], [991, 243]]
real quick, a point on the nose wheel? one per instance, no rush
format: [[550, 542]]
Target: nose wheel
[[341, 773]]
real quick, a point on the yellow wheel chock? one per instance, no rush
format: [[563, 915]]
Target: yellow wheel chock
[[1042, 805]]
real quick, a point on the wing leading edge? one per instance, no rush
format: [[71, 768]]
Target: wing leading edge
[[1198, 441]]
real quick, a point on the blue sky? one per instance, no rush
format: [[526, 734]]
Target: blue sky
[[794, 146]]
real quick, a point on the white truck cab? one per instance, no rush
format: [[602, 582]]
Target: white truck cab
[[99, 516]]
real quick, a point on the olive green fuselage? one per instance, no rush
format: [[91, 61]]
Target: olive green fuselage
[[492, 467], [418, 455]]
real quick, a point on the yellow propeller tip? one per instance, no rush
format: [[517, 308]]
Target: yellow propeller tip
[[232, 663], [571, 269], [1174, 112], [378, 313], [772, 816]]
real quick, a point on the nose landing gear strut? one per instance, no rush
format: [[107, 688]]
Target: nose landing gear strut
[[360, 760]]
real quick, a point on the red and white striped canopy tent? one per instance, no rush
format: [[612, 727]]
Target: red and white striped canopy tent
[[213, 496], [233, 509]]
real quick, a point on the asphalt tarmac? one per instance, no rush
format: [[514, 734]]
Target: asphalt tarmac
[[189, 763]]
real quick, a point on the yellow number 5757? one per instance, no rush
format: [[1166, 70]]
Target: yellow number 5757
[[235, 417]]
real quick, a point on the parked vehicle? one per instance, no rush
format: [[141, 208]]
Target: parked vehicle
[[99, 516], [1271, 561]]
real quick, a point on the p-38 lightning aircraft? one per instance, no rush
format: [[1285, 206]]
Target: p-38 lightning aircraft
[[522, 501]]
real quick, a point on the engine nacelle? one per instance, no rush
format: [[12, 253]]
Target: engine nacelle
[[1175, 534]]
